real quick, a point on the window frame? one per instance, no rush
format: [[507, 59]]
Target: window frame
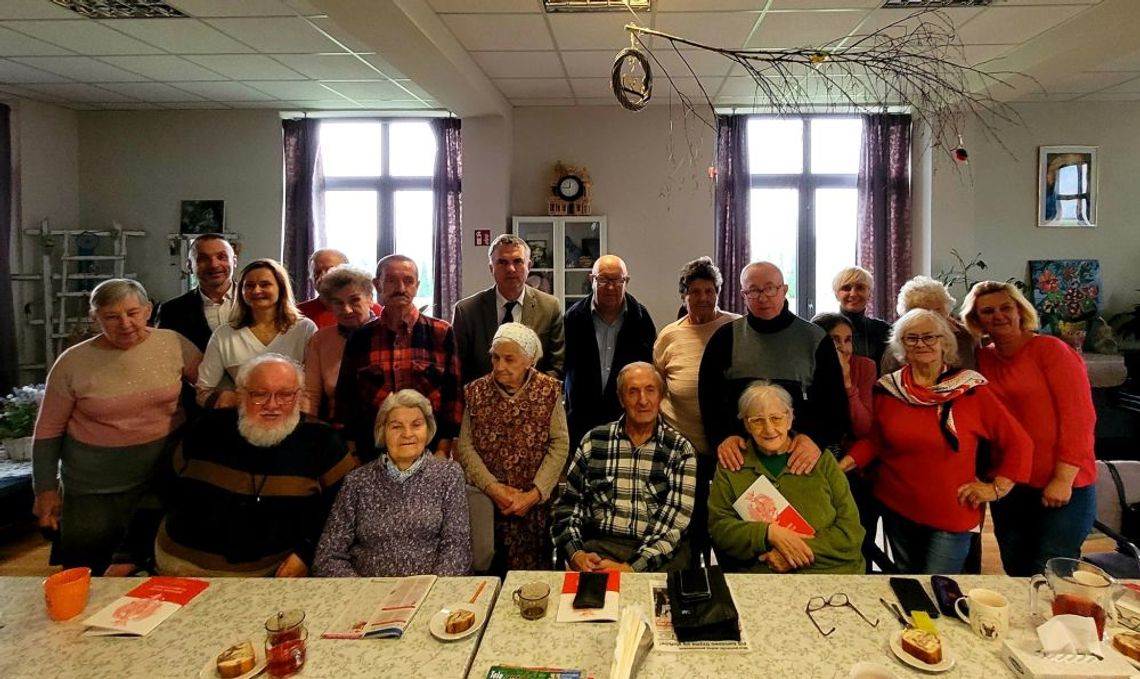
[[806, 183]]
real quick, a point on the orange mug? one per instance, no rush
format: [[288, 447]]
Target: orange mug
[[65, 593]]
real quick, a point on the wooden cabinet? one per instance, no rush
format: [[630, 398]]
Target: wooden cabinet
[[563, 251]]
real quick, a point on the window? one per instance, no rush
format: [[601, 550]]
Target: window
[[804, 202], [377, 192]]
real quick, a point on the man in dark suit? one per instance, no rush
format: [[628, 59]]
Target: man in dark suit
[[476, 318], [198, 312], [604, 333]]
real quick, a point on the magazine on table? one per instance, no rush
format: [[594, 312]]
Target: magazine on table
[[762, 502], [139, 611], [608, 613], [382, 610], [664, 638], [513, 672]]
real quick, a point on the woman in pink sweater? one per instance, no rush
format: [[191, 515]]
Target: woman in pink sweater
[[1044, 384]]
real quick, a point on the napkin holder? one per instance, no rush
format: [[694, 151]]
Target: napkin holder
[[1024, 659]]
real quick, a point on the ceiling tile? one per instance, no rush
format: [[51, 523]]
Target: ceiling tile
[[591, 87], [609, 101], [1130, 86], [78, 92], [826, 4], [373, 89], [246, 67], [706, 5], [234, 8], [245, 103], [1013, 25], [527, 101], [304, 7], [286, 36], [978, 54], [727, 29], [396, 104], [34, 9], [494, 32], [955, 17], [225, 91], [782, 30], [325, 104], [209, 105], [519, 64], [588, 64], [328, 66], [86, 36], [165, 67], [1111, 96], [13, 44], [127, 106], [465, 6], [604, 30], [382, 64], [1121, 62], [292, 89], [84, 69], [181, 36], [11, 72], [699, 61], [534, 87], [1087, 82], [152, 92], [346, 40]]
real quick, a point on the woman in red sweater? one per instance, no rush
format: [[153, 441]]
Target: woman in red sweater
[[1044, 384], [928, 420]]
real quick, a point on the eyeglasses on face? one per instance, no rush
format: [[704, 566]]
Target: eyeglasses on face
[[772, 421], [928, 340], [837, 600], [607, 282], [285, 398], [767, 291]]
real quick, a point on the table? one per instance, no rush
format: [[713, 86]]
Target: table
[[229, 609], [784, 642]]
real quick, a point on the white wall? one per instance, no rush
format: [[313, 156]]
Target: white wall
[[650, 179], [486, 193]]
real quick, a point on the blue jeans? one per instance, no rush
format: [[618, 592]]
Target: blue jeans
[[920, 549], [1030, 534]]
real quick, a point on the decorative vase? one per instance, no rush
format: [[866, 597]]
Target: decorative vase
[[1073, 333], [19, 450]]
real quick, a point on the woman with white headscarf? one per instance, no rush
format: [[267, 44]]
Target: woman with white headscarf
[[513, 445]]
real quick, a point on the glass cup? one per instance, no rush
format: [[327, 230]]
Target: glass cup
[[531, 599], [65, 593], [285, 643], [1077, 588]]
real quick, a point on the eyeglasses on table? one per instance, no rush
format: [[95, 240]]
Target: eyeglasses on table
[[837, 600]]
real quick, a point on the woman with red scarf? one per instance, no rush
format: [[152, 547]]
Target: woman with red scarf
[[929, 418]]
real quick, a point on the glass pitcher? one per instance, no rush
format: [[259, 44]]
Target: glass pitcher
[[1076, 588]]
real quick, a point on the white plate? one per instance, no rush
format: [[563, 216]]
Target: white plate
[[210, 669], [947, 658], [438, 624]]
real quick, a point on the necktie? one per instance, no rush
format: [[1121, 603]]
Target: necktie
[[508, 314]]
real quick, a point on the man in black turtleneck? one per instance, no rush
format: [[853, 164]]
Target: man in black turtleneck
[[771, 343]]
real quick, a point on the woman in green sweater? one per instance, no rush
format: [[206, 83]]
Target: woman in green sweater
[[822, 497]]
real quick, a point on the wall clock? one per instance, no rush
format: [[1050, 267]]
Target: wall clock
[[570, 187]]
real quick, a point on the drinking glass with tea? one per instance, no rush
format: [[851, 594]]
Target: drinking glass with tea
[[1075, 588], [285, 643]]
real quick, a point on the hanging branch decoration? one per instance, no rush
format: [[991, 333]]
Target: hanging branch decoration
[[915, 63], [631, 77]]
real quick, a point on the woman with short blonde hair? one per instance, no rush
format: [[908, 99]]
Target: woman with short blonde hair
[[852, 287]]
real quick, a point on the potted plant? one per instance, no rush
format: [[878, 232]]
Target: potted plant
[[18, 413]]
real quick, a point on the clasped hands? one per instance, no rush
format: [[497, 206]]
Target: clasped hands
[[510, 500], [589, 561], [789, 550]]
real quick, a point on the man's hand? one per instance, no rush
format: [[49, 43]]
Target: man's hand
[[608, 565], [501, 494], [730, 453], [846, 464], [791, 546], [119, 570], [226, 399], [804, 455], [776, 561], [523, 501], [47, 508], [584, 561], [1057, 493], [292, 567]]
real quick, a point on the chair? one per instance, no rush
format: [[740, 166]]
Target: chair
[[1124, 561], [482, 511]]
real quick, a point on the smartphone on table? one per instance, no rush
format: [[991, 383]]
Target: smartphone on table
[[913, 596]]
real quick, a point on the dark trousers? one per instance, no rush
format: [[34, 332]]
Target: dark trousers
[[92, 526], [699, 526], [1029, 534]]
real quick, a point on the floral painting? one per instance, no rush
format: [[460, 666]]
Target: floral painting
[[1065, 290]]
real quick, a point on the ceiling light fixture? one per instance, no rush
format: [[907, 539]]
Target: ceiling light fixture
[[121, 9], [596, 5], [923, 4]]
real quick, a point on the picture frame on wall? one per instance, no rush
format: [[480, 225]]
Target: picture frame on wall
[[540, 254], [1067, 178], [202, 216]]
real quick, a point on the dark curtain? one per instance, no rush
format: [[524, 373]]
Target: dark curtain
[[9, 359], [884, 208], [304, 205], [732, 189], [447, 188]]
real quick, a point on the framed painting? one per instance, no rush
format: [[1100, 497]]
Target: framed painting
[[202, 216], [1067, 179]]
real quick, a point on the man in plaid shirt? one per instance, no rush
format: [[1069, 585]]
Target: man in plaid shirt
[[400, 349], [629, 493]]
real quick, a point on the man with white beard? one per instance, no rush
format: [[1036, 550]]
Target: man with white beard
[[247, 492]]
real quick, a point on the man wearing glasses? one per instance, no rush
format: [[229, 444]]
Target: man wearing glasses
[[246, 493], [772, 343], [604, 333]]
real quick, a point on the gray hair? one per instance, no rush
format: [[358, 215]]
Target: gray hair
[[945, 331], [343, 276], [404, 398], [923, 292], [701, 268], [247, 368], [325, 251], [762, 390], [509, 239], [382, 265], [115, 290], [638, 365]]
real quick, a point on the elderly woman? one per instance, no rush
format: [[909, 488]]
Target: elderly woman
[[821, 497], [923, 292], [1045, 385], [404, 513], [852, 287], [110, 404], [264, 320], [929, 420], [347, 294], [513, 445]]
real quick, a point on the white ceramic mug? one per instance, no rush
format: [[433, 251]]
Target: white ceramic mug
[[988, 615]]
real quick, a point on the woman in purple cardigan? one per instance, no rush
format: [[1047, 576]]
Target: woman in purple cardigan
[[404, 513]]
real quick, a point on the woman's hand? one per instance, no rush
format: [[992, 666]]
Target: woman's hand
[[523, 502], [1056, 493], [804, 455], [791, 546], [847, 463], [501, 494], [976, 493], [292, 567], [776, 562], [730, 453], [119, 570], [47, 508]]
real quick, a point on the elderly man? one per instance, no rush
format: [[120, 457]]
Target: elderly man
[[604, 333], [316, 309], [402, 349], [196, 314], [774, 344], [477, 317], [628, 495], [248, 491]]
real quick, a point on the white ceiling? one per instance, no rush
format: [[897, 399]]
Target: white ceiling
[[472, 55]]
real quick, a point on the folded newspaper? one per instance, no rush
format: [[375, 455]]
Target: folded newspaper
[[382, 609], [665, 639]]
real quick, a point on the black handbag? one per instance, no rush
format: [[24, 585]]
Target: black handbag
[[1129, 513], [714, 619]]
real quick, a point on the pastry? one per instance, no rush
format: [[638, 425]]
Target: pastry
[[922, 645], [1127, 643], [236, 660], [459, 621]]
